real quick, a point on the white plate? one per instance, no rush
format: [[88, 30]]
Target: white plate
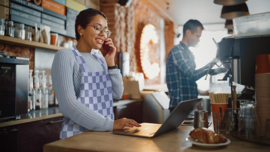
[[198, 143]]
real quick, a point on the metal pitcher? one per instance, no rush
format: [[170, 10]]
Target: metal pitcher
[[200, 119]]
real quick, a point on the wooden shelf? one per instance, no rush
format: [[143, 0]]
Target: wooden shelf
[[17, 41]]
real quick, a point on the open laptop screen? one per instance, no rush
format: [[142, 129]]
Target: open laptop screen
[[178, 115]]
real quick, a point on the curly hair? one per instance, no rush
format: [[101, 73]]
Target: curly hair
[[85, 17]]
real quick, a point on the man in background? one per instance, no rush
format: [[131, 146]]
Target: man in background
[[181, 75]]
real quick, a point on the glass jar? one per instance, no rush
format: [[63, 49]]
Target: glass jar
[[9, 28], [28, 33], [246, 119], [19, 31], [2, 26]]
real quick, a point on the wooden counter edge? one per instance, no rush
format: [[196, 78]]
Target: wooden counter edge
[[17, 122]]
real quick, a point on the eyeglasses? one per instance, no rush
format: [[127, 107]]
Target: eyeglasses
[[99, 29]]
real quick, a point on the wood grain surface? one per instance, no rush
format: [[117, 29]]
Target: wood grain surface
[[173, 141], [17, 122], [17, 41], [21, 121]]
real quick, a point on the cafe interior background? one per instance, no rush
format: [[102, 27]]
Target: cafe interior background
[[143, 31]]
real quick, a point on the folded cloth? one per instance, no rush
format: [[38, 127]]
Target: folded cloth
[[217, 71]]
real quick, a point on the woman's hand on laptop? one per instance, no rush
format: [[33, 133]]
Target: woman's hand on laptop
[[124, 122]]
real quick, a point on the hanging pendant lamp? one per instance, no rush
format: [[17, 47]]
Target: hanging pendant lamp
[[229, 24], [230, 12], [229, 2]]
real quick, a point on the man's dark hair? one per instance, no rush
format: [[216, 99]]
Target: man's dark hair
[[85, 17], [192, 26]]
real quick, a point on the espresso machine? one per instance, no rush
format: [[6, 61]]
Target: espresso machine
[[239, 57], [13, 86]]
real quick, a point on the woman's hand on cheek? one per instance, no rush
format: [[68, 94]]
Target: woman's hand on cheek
[[109, 54]]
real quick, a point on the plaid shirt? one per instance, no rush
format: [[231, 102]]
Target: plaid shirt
[[181, 75]]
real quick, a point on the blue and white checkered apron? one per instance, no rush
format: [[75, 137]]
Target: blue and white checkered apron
[[95, 93]]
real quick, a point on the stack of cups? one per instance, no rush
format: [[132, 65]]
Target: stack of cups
[[262, 88]]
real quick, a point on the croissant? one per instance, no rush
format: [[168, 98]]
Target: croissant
[[207, 136]]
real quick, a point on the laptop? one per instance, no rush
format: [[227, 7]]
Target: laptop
[[178, 115]]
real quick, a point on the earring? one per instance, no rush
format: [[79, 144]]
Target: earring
[[80, 34]]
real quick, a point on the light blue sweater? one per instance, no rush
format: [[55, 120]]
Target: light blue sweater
[[66, 78]]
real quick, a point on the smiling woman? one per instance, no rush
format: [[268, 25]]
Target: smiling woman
[[85, 84]]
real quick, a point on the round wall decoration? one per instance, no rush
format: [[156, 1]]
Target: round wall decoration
[[148, 49]]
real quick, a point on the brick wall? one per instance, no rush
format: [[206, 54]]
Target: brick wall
[[123, 34], [169, 36], [24, 51], [107, 7], [142, 16], [20, 51]]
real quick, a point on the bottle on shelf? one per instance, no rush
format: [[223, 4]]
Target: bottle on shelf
[[28, 33], [29, 103], [34, 99], [51, 93], [2, 26], [56, 102], [38, 99], [40, 81], [31, 84], [36, 80], [30, 90], [44, 101], [43, 87], [9, 28], [46, 98], [44, 82], [19, 31]]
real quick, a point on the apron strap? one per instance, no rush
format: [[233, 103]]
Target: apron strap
[[104, 65], [80, 60]]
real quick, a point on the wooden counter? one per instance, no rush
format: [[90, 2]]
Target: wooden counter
[[172, 141], [53, 112], [22, 121], [34, 115]]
